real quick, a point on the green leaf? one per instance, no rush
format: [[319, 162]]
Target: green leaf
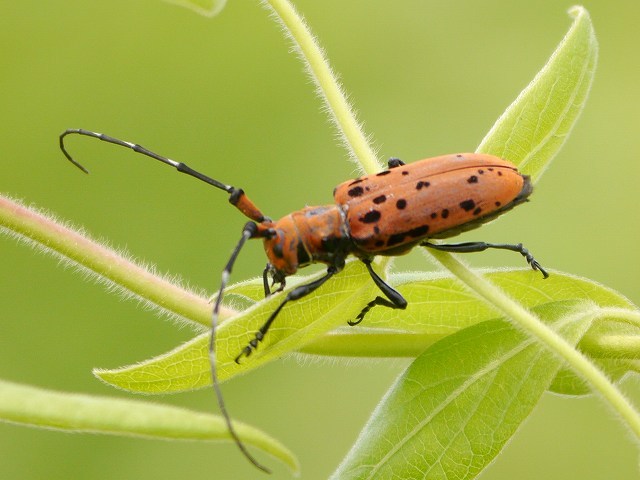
[[26, 405], [438, 306], [535, 126], [208, 8], [187, 367], [441, 305], [612, 344], [452, 411]]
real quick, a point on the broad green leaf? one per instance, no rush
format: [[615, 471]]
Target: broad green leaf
[[438, 306], [26, 405], [452, 411], [187, 366], [534, 127], [208, 8], [441, 305]]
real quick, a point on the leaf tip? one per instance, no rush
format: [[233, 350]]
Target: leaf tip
[[206, 8], [577, 11]]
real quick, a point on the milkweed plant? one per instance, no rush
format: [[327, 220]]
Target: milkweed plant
[[472, 380]]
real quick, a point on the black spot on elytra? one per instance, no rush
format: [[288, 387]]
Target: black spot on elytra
[[401, 204], [382, 174], [444, 213], [380, 199], [490, 169], [376, 230], [355, 191], [480, 171], [477, 211], [371, 217], [499, 173], [468, 205], [420, 231], [498, 204], [420, 185], [395, 239], [404, 172], [459, 155], [434, 215], [472, 179]]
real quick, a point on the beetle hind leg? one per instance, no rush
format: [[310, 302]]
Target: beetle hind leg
[[469, 247]]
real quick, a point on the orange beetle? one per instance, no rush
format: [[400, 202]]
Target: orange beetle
[[386, 213]]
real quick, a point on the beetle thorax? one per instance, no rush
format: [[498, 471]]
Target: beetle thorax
[[310, 235]]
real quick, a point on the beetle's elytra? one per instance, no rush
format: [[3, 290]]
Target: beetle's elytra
[[386, 213]]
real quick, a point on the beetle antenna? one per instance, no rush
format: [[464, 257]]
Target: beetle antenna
[[181, 167], [237, 197], [249, 231]]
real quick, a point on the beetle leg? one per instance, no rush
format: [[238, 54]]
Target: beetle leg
[[395, 162], [395, 300], [295, 294], [250, 230], [265, 281], [237, 196], [469, 247]]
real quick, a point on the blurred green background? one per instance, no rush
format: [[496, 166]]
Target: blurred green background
[[227, 97]]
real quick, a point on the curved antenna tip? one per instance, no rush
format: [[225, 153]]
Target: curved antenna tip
[[64, 150]]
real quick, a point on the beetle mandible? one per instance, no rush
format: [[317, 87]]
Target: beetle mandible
[[386, 213]]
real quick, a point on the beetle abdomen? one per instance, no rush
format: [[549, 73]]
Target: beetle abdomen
[[391, 211]]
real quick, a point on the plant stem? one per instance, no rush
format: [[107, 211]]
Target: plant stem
[[384, 344], [547, 336], [45, 233], [328, 88]]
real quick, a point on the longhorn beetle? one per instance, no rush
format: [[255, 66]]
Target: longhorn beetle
[[386, 213]]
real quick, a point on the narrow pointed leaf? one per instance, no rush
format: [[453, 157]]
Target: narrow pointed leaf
[[537, 123], [187, 366], [36, 407], [208, 8], [438, 306]]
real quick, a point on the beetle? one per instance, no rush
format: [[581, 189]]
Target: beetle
[[386, 213]]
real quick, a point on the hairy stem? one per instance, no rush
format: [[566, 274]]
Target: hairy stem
[[547, 336], [44, 232], [327, 84]]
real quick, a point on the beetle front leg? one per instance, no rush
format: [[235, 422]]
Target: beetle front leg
[[295, 294]]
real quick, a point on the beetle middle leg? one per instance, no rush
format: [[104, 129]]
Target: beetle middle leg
[[394, 298], [469, 247]]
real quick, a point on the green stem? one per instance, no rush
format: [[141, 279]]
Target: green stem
[[326, 82], [373, 344], [69, 244], [548, 337]]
